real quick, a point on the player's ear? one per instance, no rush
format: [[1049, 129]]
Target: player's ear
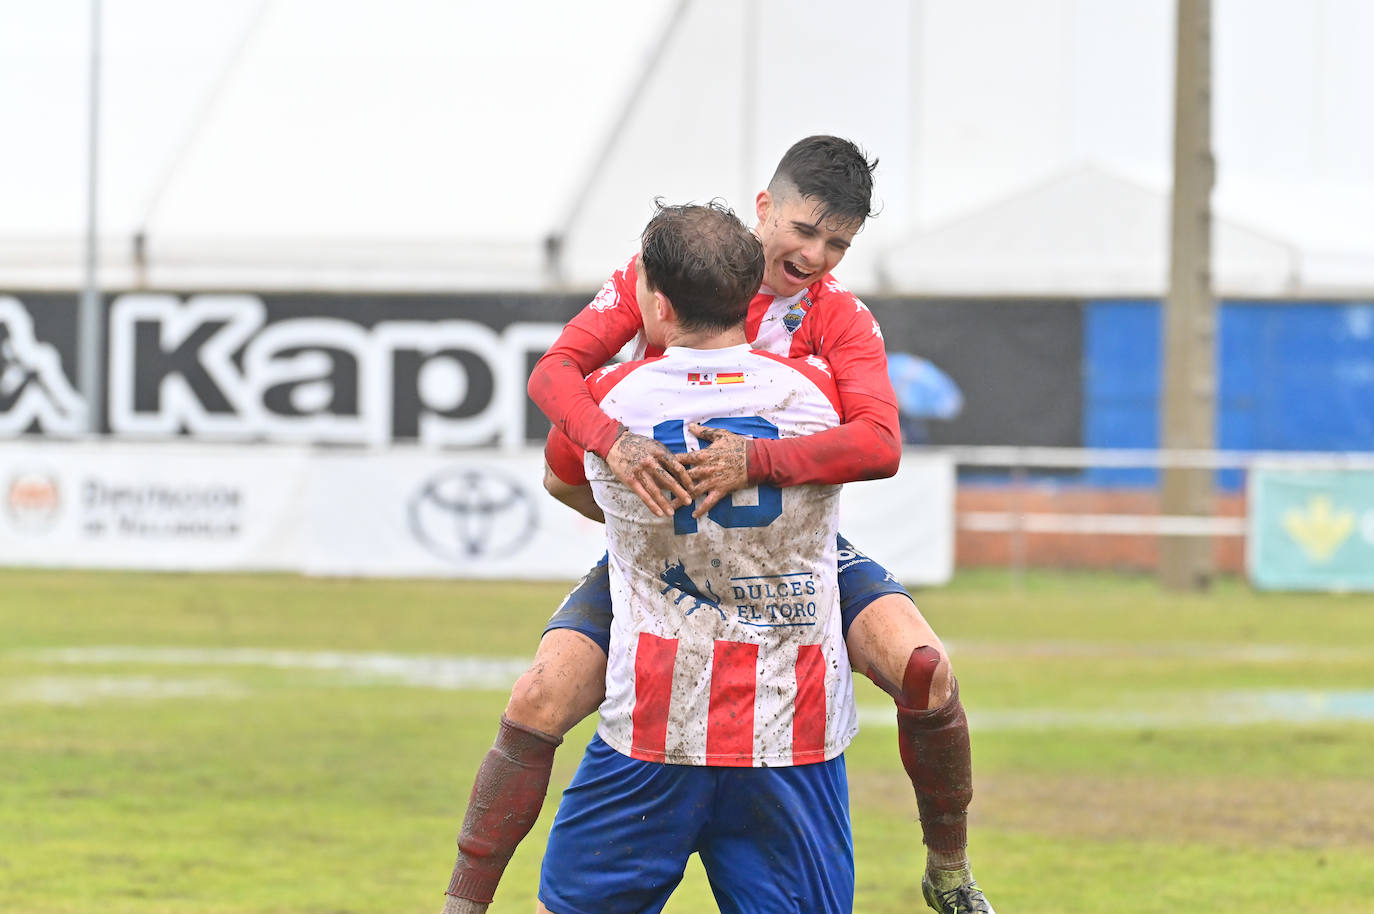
[[763, 204], [663, 308]]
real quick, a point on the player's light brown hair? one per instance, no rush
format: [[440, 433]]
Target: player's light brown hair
[[704, 260]]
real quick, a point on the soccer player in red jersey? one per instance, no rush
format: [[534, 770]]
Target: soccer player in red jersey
[[817, 201], [729, 697]]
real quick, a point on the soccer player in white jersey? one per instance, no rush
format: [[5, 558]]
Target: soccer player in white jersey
[[817, 201], [728, 689]]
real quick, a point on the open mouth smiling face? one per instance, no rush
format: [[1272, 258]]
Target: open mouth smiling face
[[800, 244]]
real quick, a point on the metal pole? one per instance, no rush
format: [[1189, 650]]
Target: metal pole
[[90, 320], [1188, 417]]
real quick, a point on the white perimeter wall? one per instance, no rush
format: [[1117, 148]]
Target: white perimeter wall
[[393, 513]]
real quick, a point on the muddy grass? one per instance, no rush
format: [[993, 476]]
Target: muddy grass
[[1231, 813]]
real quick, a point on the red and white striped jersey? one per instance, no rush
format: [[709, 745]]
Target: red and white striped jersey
[[824, 319], [726, 645]]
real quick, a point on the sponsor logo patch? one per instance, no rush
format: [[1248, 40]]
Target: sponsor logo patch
[[33, 501], [606, 299]]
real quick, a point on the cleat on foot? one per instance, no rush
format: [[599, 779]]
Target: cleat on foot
[[965, 898]]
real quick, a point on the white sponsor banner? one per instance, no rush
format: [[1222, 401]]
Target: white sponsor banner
[[906, 523], [470, 514], [486, 515], [391, 512], [166, 507]]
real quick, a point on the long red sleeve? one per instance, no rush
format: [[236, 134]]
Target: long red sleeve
[[838, 328], [589, 340], [557, 387], [867, 446]]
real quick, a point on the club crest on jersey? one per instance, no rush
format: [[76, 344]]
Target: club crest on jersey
[[708, 378], [675, 577], [793, 318], [606, 299]]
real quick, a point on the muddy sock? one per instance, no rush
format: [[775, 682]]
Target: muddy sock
[[506, 798], [935, 751]]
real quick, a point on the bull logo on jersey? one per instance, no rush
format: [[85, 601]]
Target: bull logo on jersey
[[793, 318], [675, 577]]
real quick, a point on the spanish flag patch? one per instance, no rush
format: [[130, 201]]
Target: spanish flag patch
[[706, 378]]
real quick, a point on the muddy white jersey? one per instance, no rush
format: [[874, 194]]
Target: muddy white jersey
[[726, 643]]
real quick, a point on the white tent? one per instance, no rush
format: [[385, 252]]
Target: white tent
[[1091, 233], [442, 144]]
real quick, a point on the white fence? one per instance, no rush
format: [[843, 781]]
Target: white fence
[[1307, 518]]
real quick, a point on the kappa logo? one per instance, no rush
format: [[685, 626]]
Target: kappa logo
[[818, 363], [675, 577], [216, 366], [33, 387]]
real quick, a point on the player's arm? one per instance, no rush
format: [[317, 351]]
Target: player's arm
[[579, 498], [557, 387], [857, 450], [565, 476], [868, 445]]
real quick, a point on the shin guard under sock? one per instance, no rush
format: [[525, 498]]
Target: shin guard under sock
[[935, 752], [506, 798]]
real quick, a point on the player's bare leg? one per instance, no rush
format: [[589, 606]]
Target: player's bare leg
[[565, 683], [892, 643]]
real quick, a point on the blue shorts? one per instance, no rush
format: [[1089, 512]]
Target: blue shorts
[[772, 840], [587, 607]]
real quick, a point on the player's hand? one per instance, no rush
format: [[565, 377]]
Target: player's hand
[[648, 468], [719, 468]]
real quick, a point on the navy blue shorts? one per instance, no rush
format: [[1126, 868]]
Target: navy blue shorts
[[587, 607], [772, 840]]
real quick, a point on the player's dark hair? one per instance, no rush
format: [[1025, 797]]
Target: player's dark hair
[[705, 261], [834, 171]]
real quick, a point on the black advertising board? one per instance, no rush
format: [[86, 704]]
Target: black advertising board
[[450, 370]]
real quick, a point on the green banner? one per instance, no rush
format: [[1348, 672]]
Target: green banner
[[1311, 530]]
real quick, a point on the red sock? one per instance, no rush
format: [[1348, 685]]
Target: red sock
[[935, 752], [506, 798]]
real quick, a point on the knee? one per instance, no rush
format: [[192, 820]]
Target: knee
[[536, 701], [554, 698], [928, 681]]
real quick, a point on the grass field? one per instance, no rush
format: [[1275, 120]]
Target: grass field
[[279, 744]]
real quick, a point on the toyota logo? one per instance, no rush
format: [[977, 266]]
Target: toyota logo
[[460, 515]]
